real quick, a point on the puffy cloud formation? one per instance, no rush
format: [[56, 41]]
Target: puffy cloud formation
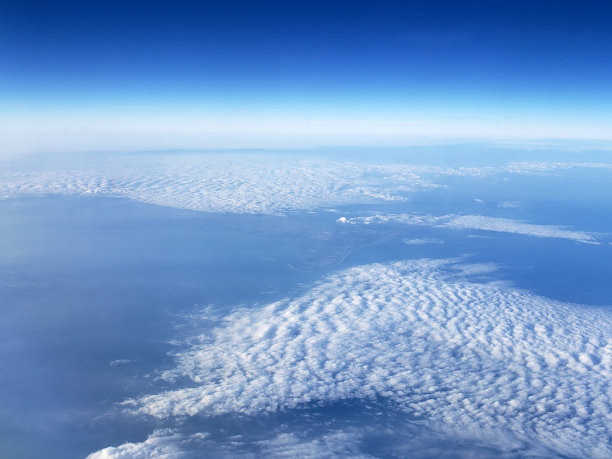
[[477, 222], [467, 358], [161, 443], [238, 183], [248, 183]]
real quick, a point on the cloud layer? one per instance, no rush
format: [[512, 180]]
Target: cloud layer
[[506, 225], [234, 183], [477, 222], [468, 358], [239, 183], [161, 443]]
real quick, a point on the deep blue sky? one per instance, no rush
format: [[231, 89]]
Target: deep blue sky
[[451, 65]]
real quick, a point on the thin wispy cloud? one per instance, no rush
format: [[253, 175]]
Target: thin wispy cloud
[[506, 225], [477, 222]]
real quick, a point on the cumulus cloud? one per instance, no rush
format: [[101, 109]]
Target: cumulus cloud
[[161, 443], [466, 357], [477, 222]]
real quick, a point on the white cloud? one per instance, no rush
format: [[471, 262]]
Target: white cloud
[[114, 363], [475, 269], [406, 219], [506, 225], [509, 205], [334, 444], [422, 241], [161, 443], [477, 222], [545, 167], [240, 183], [400, 439], [469, 358]]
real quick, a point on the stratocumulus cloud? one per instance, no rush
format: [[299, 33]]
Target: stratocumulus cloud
[[241, 183], [397, 440], [336, 443], [477, 222], [159, 444], [466, 357], [257, 184]]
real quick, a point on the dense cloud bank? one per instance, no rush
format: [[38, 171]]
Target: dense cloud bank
[[223, 183], [467, 358], [242, 183]]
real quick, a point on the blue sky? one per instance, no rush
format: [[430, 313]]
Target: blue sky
[[245, 73]]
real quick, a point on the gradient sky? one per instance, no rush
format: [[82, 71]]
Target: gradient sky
[[136, 74]]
